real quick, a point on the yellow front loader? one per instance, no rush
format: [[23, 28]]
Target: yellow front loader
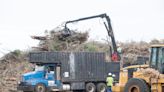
[[145, 78]]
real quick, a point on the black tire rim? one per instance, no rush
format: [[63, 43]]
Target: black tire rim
[[102, 88], [40, 88], [90, 89], [134, 88]]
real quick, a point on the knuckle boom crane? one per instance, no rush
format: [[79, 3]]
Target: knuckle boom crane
[[115, 56]]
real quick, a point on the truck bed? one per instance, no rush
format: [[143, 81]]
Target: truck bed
[[81, 66]]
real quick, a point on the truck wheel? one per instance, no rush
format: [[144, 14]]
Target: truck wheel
[[90, 87], [136, 85], [78, 91], [40, 88], [101, 87]]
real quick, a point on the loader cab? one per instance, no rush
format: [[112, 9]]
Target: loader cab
[[157, 58]]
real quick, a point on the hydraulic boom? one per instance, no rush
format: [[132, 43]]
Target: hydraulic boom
[[115, 55]]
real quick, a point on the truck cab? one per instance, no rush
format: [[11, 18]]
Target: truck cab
[[43, 78]]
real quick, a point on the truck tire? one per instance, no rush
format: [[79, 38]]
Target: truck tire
[[101, 87], [90, 87], [136, 85], [40, 88], [78, 91]]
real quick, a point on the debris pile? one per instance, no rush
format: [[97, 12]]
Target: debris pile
[[60, 41], [131, 50], [151, 73], [140, 48], [11, 67]]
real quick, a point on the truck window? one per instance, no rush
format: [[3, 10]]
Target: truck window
[[162, 57], [39, 68], [162, 61], [51, 68], [153, 57]]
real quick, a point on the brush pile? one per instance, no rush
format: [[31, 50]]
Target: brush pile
[[151, 73], [60, 41], [11, 67], [132, 50]]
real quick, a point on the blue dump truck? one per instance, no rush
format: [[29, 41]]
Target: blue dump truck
[[68, 71]]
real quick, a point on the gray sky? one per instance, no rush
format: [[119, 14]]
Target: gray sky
[[131, 19]]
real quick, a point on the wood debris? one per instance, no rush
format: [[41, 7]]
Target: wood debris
[[152, 73], [58, 41], [11, 68]]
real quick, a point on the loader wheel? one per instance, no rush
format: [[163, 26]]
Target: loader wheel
[[136, 85], [90, 87], [40, 88], [101, 87]]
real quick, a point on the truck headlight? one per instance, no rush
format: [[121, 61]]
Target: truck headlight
[[51, 83], [66, 87]]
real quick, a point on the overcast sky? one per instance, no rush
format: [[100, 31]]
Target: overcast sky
[[131, 19]]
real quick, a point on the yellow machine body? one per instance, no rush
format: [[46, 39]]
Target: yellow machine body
[[119, 87], [155, 84]]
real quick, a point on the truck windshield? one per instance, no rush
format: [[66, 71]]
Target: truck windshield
[[39, 68]]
